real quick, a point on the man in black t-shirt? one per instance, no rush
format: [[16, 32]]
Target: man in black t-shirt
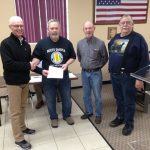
[[59, 52]]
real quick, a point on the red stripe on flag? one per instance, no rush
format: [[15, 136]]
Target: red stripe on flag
[[110, 12]]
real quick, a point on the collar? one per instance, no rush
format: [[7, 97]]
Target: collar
[[90, 40], [16, 38]]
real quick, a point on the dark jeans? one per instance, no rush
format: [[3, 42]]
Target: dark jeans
[[125, 94], [50, 87]]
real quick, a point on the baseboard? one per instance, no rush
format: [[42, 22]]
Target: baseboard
[[80, 86]]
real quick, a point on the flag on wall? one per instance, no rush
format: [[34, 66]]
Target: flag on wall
[[110, 11]]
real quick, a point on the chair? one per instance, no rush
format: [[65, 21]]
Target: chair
[[3, 93], [143, 97], [31, 94]]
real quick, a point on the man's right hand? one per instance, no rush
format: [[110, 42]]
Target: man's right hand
[[33, 65], [45, 73]]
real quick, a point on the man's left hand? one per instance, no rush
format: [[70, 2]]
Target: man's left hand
[[64, 67], [139, 85]]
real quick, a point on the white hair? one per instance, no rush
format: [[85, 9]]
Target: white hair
[[14, 19]]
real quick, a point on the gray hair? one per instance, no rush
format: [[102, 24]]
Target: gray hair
[[127, 16], [52, 20]]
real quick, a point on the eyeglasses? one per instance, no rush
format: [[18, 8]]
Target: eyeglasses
[[17, 26], [126, 22]]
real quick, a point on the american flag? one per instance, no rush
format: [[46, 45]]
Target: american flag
[[110, 11]]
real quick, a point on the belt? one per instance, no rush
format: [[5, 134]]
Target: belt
[[121, 73], [91, 70]]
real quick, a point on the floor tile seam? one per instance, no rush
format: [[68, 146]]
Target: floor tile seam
[[79, 139], [88, 133], [92, 124], [51, 129], [4, 132], [72, 138]]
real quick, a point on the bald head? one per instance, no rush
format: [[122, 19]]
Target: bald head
[[88, 23], [88, 29]]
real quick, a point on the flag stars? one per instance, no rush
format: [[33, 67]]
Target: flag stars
[[108, 2]]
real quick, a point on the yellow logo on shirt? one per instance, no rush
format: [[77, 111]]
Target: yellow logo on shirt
[[56, 57]]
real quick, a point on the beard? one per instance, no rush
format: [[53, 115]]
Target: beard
[[54, 37]]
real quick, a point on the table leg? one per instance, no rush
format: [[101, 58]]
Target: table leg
[[0, 111]]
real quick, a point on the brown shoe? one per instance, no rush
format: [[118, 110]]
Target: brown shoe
[[39, 104], [98, 120]]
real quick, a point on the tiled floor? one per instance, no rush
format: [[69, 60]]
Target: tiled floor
[[80, 136]]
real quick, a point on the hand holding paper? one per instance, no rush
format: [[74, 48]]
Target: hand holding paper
[[55, 72]]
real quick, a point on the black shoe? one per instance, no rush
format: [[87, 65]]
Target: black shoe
[[116, 122], [85, 116], [24, 144], [28, 131], [127, 130], [98, 119]]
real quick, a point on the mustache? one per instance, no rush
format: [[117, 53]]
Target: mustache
[[55, 33], [125, 28]]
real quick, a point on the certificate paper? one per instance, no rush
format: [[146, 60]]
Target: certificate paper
[[55, 72]]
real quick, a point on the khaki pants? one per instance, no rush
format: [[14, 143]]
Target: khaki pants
[[38, 90], [18, 95]]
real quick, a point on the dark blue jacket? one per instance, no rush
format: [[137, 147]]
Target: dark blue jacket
[[136, 55]]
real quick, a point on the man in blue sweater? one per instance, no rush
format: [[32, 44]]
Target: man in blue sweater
[[128, 52]]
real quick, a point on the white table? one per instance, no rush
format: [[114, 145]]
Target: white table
[[36, 78]]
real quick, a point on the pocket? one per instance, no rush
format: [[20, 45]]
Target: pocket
[[95, 53]]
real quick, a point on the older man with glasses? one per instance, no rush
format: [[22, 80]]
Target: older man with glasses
[[16, 55], [128, 52]]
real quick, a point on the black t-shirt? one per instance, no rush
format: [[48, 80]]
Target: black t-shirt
[[54, 53]]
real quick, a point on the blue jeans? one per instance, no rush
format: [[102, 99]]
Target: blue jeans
[[125, 94], [92, 81], [50, 87]]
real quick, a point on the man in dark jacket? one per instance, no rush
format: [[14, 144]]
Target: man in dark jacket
[[16, 55], [128, 52]]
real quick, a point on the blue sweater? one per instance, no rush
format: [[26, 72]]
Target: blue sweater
[[136, 56]]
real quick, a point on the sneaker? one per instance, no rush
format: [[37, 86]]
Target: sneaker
[[24, 144], [54, 123], [98, 119], [28, 131], [127, 130], [39, 104], [85, 116], [69, 120], [116, 122]]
